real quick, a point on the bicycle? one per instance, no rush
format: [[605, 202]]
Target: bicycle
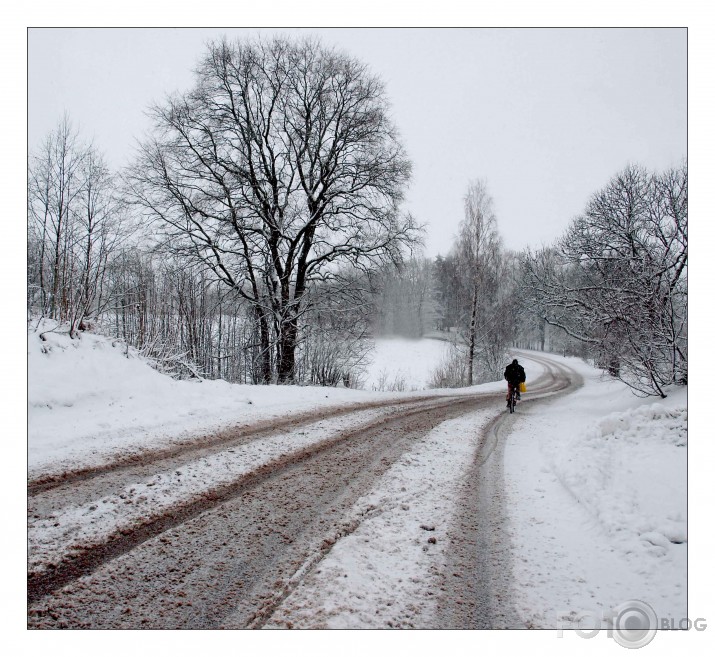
[[511, 401]]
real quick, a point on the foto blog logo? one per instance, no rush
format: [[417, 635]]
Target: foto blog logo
[[632, 624]]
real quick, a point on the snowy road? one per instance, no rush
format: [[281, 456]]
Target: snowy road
[[236, 530]]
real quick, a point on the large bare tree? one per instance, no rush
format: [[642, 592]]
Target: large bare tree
[[280, 165]]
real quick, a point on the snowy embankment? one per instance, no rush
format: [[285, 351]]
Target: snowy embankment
[[597, 485], [92, 399]]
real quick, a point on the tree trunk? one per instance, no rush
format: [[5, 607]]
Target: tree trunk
[[264, 356], [56, 271], [289, 338], [472, 338]]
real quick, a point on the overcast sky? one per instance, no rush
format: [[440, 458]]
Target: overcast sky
[[545, 116]]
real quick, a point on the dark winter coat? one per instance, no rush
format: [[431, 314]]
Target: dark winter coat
[[514, 374]]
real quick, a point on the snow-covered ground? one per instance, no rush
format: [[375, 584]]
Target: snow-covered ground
[[596, 480], [76, 527], [596, 483], [403, 364], [91, 399], [596, 486]]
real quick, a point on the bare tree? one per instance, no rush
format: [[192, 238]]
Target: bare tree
[[478, 252], [54, 182], [281, 164], [100, 225], [618, 279], [75, 222]]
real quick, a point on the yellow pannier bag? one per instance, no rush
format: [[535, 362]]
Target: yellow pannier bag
[[522, 387]]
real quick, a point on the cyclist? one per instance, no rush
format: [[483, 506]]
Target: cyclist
[[514, 375]]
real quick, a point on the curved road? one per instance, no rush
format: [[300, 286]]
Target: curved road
[[228, 556]]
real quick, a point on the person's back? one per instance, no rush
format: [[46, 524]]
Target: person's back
[[514, 375]]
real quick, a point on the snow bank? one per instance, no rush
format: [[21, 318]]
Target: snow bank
[[628, 473], [597, 487], [90, 399]]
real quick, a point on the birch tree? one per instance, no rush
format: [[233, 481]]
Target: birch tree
[[478, 252], [76, 222], [54, 182]]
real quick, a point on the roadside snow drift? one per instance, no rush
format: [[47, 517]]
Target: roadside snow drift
[[597, 485], [92, 399]]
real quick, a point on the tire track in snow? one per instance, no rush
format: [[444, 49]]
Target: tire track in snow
[[89, 558], [238, 556], [207, 444], [477, 579], [77, 558]]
